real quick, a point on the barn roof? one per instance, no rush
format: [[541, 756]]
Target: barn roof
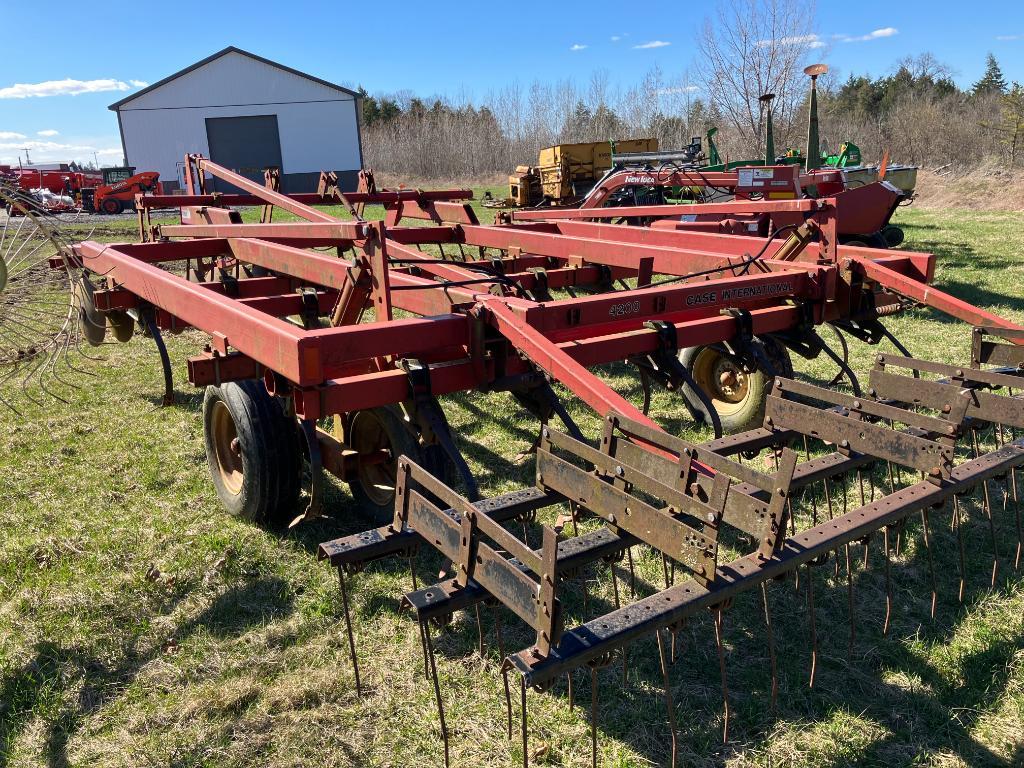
[[230, 49]]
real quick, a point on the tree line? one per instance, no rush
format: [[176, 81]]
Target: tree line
[[917, 112]]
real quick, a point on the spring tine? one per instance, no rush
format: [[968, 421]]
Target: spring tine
[[497, 632], [771, 642], [437, 689], [992, 532], [412, 571], [572, 696], [593, 714], [1016, 512], [958, 524], [526, 746], [664, 568], [348, 630], [814, 628], [931, 561], [423, 646], [479, 632], [625, 663], [888, 582], [615, 585], [508, 697], [721, 669], [668, 694], [632, 573], [849, 598]]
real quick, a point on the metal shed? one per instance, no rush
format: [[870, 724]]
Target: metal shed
[[247, 113]]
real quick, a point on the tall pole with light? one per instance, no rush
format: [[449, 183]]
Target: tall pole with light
[[813, 148]]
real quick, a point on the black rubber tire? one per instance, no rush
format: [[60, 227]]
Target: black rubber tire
[[111, 206], [269, 447], [892, 235], [749, 412], [399, 437], [867, 241]]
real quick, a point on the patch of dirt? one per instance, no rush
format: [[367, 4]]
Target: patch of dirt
[[991, 187]]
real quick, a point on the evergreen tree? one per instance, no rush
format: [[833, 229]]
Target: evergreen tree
[[992, 81]]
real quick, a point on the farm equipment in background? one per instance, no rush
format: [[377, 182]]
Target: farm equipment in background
[[118, 190], [565, 173], [299, 335]]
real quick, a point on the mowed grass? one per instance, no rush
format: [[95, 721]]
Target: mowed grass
[[140, 625]]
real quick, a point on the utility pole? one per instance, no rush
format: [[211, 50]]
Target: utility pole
[[28, 160]]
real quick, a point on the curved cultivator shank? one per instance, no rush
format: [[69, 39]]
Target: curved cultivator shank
[[370, 322]]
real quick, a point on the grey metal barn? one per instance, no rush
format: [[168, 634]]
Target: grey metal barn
[[247, 113]]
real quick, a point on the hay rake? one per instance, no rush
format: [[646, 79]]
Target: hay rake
[[371, 322], [691, 502], [46, 314]]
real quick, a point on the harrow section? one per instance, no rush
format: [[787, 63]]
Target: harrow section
[[689, 503]]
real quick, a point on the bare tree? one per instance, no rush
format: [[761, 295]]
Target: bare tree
[[755, 47]]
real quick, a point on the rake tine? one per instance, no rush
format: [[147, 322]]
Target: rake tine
[[348, 630], [437, 689], [888, 581], [931, 562], [508, 697], [664, 568], [625, 662], [771, 642], [572, 696], [721, 669], [668, 695], [593, 714], [814, 628]]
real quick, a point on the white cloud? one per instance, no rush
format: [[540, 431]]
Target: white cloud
[[49, 132], [1009, 37], [677, 89], [616, 38], [653, 44], [68, 87], [576, 47], [876, 34], [11, 135], [811, 41], [139, 83]]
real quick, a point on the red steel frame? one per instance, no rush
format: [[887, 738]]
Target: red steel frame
[[470, 327]]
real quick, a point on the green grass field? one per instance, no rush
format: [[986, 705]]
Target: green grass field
[[140, 625]]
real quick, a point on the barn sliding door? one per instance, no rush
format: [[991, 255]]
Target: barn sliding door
[[246, 145]]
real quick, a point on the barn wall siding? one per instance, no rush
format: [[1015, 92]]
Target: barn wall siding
[[317, 124]]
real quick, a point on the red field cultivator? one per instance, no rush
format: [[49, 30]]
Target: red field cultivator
[[371, 322]]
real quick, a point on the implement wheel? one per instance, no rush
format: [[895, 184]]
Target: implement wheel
[[382, 435], [111, 205], [253, 450], [738, 394]]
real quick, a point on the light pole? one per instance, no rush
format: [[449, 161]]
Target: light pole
[[813, 149]]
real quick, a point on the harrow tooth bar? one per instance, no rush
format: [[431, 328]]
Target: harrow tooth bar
[[664, 608]]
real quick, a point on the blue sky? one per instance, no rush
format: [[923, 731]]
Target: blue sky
[[431, 48]]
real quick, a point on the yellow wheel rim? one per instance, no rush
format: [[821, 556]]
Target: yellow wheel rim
[[723, 380], [227, 449]]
